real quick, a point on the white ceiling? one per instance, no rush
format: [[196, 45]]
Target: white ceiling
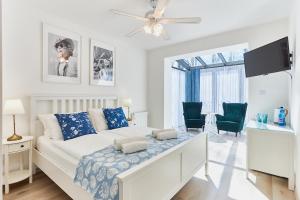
[[217, 16]]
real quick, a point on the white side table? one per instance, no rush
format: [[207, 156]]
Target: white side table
[[140, 119], [17, 147], [131, 123], [270, 149]]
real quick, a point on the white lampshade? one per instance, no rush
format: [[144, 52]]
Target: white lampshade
[[127, 102], [13, 106]]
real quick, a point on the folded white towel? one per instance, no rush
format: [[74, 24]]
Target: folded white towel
[[118, 142], [136, 146], [155, 132], [166, 135]]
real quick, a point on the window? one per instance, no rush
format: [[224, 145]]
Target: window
[[178, 96], [212, 79], [223, 84]]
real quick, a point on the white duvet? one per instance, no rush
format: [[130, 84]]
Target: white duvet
[[84, 145], [131, 131]]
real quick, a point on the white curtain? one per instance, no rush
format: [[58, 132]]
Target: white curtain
[[224, 84], [178, 96], [217, 85], [206, 79]]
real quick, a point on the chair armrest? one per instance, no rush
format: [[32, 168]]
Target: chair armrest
[[220, 117]]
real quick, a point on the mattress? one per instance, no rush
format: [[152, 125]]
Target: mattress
[[87, 144], [66, 154], [58, 157]]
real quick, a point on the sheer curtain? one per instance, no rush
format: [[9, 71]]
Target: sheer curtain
[[217, 85], [178, 96], [224, 84]]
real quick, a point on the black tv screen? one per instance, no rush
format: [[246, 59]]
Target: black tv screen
[[273, 57]]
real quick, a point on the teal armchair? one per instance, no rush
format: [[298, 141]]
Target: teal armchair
[[233, 119], [192, 115]]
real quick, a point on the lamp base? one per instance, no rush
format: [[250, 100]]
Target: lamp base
[[129, 119], [14, 137]]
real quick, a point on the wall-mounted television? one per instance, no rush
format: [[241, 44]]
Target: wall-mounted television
[[273, 57]]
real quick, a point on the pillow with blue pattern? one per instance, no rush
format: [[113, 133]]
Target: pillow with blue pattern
[[75, 125], [115, 118]]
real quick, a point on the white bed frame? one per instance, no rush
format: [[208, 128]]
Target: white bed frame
[[159, 178]]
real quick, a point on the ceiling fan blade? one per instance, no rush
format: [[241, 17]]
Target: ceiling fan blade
[[164, 35], [117, 12], [160, 8], [134, 32], [187, 20]]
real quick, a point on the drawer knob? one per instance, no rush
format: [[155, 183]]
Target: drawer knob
[[22, 146]]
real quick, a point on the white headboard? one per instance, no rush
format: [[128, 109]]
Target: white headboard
[[44, 104]]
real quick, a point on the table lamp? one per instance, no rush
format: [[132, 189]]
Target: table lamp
[[127, 103], [13, 107]]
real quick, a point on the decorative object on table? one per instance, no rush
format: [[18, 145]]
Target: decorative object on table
[[127, 103], [14, 107], [277, 112], [282, 115], [192, 115], [233, 119], [102, 64], [258, 117], [61, 55], [17, 148], [262, 118]]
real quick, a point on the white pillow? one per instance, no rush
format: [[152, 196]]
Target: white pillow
[[98, 119], [51, 126]]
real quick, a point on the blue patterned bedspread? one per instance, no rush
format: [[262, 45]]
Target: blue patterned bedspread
[[97, 172]]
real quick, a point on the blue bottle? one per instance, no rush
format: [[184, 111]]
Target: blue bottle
[[281, 117]]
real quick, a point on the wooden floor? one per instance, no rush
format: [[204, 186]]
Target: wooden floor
[[226, 180]]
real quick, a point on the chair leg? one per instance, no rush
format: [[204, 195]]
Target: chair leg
[[203, 128], [236, 134], [187, 129], [218, 131]]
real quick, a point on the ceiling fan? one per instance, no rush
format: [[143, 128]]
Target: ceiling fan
[[154, 20]]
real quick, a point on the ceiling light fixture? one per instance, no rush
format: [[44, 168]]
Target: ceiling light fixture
[[157, 29], [154, 20], [148, 29]]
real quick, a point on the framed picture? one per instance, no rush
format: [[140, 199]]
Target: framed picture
[[102, 64], [61, 55]]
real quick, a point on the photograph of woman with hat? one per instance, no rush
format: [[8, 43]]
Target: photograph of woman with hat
[[65, 48], [61, 55]]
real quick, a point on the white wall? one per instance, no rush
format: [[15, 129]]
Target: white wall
[[294, 36], [263, 96], [22, 57], [1, 166]]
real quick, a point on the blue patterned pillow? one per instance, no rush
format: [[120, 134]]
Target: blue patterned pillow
[[115, 118], [75, 125]]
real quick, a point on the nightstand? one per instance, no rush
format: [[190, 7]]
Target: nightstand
[[131, 123], [140, 119], [17, 147]]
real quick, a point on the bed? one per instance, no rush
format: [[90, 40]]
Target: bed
[[159, 177]]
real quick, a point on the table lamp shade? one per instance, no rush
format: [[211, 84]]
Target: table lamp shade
[[13, 107], [127, 102]]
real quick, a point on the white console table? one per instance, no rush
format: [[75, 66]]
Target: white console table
[[270, 149]]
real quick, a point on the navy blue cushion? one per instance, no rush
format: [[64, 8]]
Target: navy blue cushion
[[115, 118], [75, 125]]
